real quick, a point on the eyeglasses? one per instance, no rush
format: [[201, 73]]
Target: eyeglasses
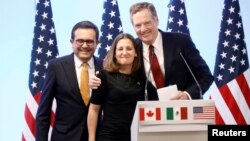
[[80, 42]]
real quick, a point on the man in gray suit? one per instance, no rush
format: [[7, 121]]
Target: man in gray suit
[[62, 82]]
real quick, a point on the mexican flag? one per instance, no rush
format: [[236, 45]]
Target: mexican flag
[[176, 113]]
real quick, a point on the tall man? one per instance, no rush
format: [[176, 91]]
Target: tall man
[[168, 48], [65, 81]]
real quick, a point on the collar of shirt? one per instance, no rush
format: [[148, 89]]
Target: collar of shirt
[[78, 65], [158, 44], [78, 62]]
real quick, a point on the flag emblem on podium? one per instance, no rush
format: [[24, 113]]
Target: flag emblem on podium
[[150, 114], [206, 112], [176, 113]]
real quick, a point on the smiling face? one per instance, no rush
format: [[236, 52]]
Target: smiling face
[[145, 25], [125, 53], [84, 43]]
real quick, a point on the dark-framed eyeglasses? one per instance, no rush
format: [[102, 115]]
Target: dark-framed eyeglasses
[[80, 42]]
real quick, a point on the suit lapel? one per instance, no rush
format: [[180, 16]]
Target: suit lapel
[[168, 49], [98, 64], [139, 43], [70, 74]]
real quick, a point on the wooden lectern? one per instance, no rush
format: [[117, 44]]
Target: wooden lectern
[[173, 120]]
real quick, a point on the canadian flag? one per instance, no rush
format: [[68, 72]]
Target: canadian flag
[[150, 114]]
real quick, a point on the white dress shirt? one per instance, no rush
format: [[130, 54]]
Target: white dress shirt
[[158, 49], [78, 66]]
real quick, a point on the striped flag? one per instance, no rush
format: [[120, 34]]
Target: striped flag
[[177, 18], [206, 112], [44, 48], [176, 113], [110, 28], [230, 90], [150, 114]]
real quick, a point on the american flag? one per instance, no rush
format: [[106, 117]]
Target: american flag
[[110, 28], [177, 17], [232, 75], [205, 112], [44, 48]]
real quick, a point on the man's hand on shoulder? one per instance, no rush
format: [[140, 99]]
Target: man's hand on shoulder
[[94, 82]]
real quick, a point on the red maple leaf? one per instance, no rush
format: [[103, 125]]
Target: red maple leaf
[[150, 113]]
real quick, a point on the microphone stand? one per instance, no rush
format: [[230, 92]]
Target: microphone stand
[[201, 96]]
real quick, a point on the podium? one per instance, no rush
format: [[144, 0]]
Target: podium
[[173, 120]]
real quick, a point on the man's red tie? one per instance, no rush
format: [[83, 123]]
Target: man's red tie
[[155, 67]]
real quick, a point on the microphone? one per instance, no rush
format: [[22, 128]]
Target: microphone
[[191, 72], [146, 84]]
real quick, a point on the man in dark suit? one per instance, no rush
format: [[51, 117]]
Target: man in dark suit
[[168, 47], [62, 82]]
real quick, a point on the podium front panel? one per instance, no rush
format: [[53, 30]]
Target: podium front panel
[[174, 120]]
